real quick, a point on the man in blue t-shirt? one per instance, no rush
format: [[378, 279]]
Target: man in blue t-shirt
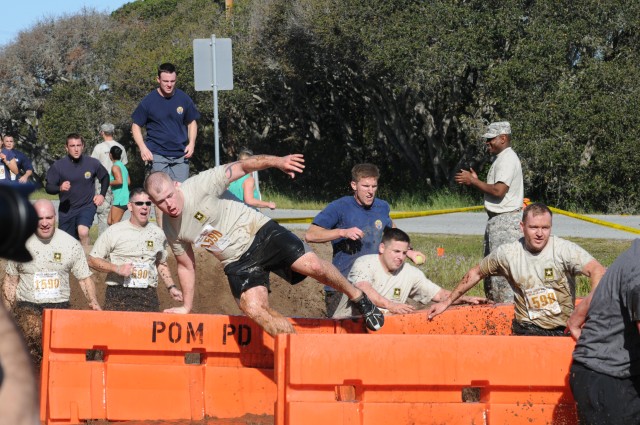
[[169, 116], [73, 178], [354, 225], [25, 166]]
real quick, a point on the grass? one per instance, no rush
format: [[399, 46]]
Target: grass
[[441, 199], [461, 252]]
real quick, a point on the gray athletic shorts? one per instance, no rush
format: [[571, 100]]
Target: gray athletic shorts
[[176, 168]]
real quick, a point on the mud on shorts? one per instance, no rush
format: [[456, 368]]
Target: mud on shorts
[[274, 249], [28, 316], [531, 329], [119, 298]]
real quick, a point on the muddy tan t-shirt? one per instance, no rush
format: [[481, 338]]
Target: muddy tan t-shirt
[[544, 283], [213, 219], [143, 247], [407, 282], [45, 279]]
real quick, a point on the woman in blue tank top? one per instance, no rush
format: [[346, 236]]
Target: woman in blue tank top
[[119, 182], [246, 190]]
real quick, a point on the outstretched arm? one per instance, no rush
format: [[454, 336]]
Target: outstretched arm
[[290, 164], [380, 301], [470, 279]]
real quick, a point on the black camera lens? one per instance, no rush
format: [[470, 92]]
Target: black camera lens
[[18, 220]]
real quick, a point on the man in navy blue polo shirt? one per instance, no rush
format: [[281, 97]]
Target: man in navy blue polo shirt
[[8, 165], [73, 178], [354, 225], [25, 167], [169, 116]]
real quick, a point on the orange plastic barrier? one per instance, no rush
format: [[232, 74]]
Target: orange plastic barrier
[[159, 366], [423, 379], [492, 319]]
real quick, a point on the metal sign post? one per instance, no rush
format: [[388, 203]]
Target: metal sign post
[[213, 70]]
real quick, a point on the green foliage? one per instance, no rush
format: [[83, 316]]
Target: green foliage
[[70, 108], [405, 84]]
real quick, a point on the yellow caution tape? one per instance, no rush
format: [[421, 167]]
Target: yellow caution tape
[[396, 215], [596, 221], [411, 214]]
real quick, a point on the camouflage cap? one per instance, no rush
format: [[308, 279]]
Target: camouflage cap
[[107, 128], [497, 128]]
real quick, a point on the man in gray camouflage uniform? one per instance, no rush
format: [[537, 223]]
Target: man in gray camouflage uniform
[[503, 196]]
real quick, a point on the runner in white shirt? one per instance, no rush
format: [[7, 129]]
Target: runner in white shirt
[[541, 270], [134, 253], [44, 282], [202, 212], [388, 281]]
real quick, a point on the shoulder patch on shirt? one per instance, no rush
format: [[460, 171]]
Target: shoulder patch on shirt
[[200, 217], [57, 257], [548, 274], [396, 293]]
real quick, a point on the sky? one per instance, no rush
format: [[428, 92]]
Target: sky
[[20, 15]]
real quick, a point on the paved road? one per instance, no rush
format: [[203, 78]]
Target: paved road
[[474, 224]]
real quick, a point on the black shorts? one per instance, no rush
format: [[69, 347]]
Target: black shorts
[[119, 298], [529, 329], [274, 249], [602, 399], [37, 308]]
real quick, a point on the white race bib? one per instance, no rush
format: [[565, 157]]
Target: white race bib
[[541, 302], [139, 277], [46, 286], [3, 173], [212, 240]]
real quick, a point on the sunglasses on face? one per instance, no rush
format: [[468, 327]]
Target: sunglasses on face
[[141, 203]]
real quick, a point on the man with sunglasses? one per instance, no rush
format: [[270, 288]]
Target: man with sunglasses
[[503, 196], [133, 253], [203, 213]]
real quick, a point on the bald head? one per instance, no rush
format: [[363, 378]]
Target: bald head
[[46, 213], [165, 193], [156, 181]]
